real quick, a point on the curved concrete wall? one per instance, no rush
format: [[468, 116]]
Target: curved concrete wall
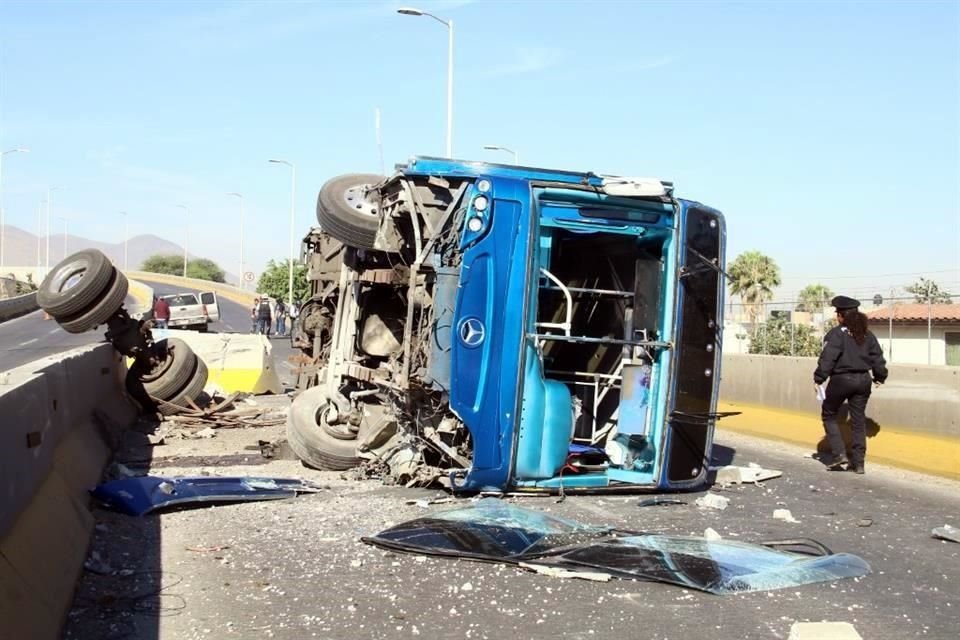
[[60, 417], [915, 397], [229, 292], [17, 306]]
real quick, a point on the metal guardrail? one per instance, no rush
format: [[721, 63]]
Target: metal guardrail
[[18, 306]]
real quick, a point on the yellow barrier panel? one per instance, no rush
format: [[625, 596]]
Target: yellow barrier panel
[[236, 362], [897, 446]]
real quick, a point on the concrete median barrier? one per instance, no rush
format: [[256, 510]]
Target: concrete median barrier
[[913, 421], [18, 306], [236, 362], [59, 418], [142, 295]]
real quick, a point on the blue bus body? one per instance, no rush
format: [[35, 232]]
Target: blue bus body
[[568, 327]]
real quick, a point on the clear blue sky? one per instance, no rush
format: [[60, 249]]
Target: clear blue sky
[[827, 132]]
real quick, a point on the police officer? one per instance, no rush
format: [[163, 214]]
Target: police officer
[[850, 354]]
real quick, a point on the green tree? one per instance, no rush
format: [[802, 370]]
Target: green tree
[[814, 297], [204, 269], [780, 338], [753, 277], [171, 264], [927, 291], [275, 281]]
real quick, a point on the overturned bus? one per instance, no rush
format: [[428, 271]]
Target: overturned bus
[[502, 328]]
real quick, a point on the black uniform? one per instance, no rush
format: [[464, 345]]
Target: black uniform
[[848, 365]]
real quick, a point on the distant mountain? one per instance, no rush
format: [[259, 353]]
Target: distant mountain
[[20, 249]]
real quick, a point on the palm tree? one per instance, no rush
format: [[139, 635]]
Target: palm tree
[[814, 297], [753, 277]]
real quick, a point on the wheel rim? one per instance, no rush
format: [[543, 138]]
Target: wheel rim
[[356, 198], [339, 431], [71, 281], [154, 374]]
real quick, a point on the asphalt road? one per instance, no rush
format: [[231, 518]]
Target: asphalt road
[[295, 569], [30, 337]]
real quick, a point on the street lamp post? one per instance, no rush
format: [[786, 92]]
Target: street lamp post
[[495, 147], [186, 237], [293, 199], [64, 235], [126, 239], [240, 198], [409, 11], [40, 235], [50, 190], [3, 220]]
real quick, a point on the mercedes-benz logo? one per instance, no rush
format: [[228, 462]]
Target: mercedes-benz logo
[[472, 332]]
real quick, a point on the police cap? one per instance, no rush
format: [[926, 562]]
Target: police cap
[[842, 303]]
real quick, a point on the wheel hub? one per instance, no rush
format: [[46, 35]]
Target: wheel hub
[[356, 198]]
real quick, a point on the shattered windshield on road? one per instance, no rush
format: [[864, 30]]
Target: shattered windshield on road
[[497, 531]]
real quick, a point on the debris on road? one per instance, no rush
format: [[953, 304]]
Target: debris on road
[[495, 531], [217, 547], [424, 503], [946, 532], [225, 413], [752, 474], [95, 564], [141, 495], [865, 522], [785, 515], [712, 501], [823, 631], [276, 450], [555, 572], [711, 534], [659, 502]]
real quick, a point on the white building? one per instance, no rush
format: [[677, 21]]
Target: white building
[[918, 333]]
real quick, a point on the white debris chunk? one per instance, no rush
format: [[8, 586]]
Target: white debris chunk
[[785, 515], [752, 473], [823, 631], [710, 534], [946, 532], [712, 501], [556, 572]]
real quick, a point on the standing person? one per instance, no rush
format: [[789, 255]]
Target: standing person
[[264, 317], [293, 312], [161, 312], [254, 315], [850, 354], [281, 315]]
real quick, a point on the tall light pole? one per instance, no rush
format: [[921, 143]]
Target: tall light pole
[[39, 235], [50, 190], [186, 237], [293, 199], [64, 218], [240, 198], [496, 147], [3, 220], [126, 239], [409, 11]]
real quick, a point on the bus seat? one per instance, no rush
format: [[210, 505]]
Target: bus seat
[[546, 423]]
